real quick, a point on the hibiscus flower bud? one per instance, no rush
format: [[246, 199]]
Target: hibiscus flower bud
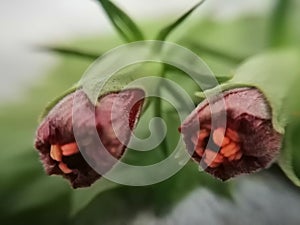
[[247, 143], [55, 139]]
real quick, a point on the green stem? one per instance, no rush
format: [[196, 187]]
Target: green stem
[[164, 33], [278, 22], [158, 113], [214, 52], [71, 52]]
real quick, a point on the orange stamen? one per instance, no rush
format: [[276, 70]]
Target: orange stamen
[[194, 139], [233, 135], [227, 140], [55, 153], [212, 157], [238, 156], [230, 149], [214, 165], [199, 151], [202, 134], [218, 136], [64, 168], [69, 149]]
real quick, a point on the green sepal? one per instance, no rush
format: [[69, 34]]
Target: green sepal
[[273, 73], [165, 32], [52, 103], [115, 83], [125, 26], [290, 155]]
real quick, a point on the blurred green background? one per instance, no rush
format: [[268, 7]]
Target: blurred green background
[[28, 196]]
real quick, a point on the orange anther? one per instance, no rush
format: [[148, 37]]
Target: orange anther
[[69, 149], [233, 135], [218, 159], [230, 149], [219, 138], [225, 141], [55, 152], [64, 168], [212, 157], [209, 154], [238, 156], [232, 157], [202, 134], [194, 139], [214, 165], [199, 151]]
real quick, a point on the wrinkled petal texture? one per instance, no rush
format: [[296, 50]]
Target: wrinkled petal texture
[[250, 142], [58, 147]]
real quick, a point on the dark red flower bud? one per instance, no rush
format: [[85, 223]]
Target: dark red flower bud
[[55, 137], [247, 144]]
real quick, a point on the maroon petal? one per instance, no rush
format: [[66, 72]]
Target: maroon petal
[[113, 118], [247, 144]]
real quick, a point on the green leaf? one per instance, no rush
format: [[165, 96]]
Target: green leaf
[[125, 26], [165, 32], [289, 159], [119, 205], [171, 191], [279, 22], [71, 52], [198, 47], [82, 197], [234, 38]]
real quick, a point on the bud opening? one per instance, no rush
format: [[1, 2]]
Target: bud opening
[[55, 139], [247, 144]]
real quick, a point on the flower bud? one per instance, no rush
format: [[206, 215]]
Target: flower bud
[[247, 143], [55, 139]]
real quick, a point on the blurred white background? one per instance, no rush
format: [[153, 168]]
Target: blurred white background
[[25, 24]]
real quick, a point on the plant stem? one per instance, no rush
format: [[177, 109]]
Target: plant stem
[[71, 52], [278, 22], [164, 33], [214, 52], [158, 113]]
